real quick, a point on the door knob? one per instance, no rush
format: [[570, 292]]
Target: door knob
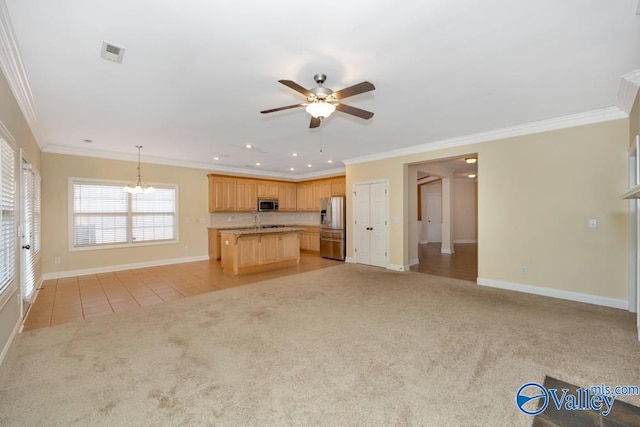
[[26, 247]]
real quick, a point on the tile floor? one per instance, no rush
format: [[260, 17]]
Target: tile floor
[[83, 297]]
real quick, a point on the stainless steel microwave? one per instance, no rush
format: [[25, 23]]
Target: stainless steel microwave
[[266, 205]]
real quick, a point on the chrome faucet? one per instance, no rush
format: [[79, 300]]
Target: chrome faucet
[[256, 220]]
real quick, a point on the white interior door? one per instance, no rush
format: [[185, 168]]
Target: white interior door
[[371, 224], [28, 242], [378, 227], [434, 217]]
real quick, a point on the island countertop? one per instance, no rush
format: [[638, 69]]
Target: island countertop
[[254, 230]]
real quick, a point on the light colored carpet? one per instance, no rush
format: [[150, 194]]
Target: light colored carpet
[[346, 345]]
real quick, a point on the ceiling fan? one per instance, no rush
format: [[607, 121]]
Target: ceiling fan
[[322, 101]]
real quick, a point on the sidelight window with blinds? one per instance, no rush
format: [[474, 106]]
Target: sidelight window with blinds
[[7, 218], [103, 215]]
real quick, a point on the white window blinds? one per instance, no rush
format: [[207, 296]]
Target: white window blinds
[[104, 214], [154, 215], [99, 214], [7, 220], [36, 215], [28, 230]]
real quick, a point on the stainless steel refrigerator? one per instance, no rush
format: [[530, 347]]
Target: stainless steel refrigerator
[[332, 228]]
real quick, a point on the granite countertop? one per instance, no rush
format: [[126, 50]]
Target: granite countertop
[[255, 230], [240, 227]]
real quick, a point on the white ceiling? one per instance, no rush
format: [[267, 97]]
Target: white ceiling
[[196, 73]]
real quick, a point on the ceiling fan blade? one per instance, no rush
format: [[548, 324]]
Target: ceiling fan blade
[[363, 114], [295, 86], [281, 108], [314, 122], [354, 90]]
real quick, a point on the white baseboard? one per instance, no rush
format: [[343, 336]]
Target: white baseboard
[[555, 293], [465, 241], [12, 337], [414, 261], [121, 267], [350, 259], [397, 267], [424, 242], [446, 251]]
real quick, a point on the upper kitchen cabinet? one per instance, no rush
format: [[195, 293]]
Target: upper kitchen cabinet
[[222, 194], [228, 194], [231, 194], [268, 189], [338, 186], [287, 197], [246, 198]]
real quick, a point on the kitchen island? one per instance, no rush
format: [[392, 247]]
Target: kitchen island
[[259, 249]]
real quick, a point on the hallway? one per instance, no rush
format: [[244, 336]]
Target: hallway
[[463, 264]]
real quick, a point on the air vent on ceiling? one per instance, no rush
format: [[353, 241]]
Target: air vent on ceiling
[[112, 52]]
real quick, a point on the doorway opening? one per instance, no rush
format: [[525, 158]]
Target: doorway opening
[[447, 217]]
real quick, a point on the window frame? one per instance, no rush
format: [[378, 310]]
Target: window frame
[[130, 243], [7, 292]]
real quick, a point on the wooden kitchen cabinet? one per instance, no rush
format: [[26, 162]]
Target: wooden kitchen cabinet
[[287, 197], [268, 189], [339, 187], [231, 194], [304, 197], [246, 197], [222, 194], [310, 239]]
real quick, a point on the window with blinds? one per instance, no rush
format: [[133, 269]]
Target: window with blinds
[[28, 231], [7, 216], [105, 215], [36, 216]]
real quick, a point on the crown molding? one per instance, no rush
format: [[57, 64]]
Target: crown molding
[[628, 90], [209, 167], [13, 70], [596, 116]]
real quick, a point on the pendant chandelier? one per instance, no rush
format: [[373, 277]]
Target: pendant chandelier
[[139, 187]]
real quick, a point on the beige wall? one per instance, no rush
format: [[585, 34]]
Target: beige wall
[[13, 121], [535, 195], [464, 210], [192, 208]]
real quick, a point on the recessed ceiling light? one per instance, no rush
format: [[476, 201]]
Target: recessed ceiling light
[[248, 146], [294, 154], [472, 175], [216, 158], [257, 163], [309, 166], [292, 169], [471, 160], [329, 161]]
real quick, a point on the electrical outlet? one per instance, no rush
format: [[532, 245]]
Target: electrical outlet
[[524, 270], [56, 260]]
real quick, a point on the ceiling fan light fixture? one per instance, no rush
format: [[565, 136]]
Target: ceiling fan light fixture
[[320, 109]]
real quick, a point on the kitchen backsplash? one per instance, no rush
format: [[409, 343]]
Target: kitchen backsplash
[[241, 219]]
